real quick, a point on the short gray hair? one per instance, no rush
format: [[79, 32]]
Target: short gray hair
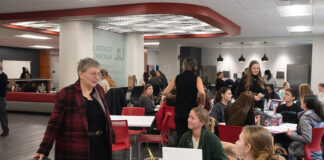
[[86, 63]]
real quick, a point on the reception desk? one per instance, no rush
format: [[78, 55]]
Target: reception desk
[[30, 102]]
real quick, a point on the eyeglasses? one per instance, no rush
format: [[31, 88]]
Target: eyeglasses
[[95, 75]]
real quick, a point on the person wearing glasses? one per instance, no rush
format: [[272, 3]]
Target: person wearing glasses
[[80, 123]]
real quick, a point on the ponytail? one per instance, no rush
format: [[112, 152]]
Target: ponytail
[[211, 124]]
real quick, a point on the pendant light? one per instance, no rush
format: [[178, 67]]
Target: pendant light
[[242, 59], [220, 58], [264, 58]]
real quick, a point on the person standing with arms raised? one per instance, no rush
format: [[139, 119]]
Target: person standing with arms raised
[[3, 102], [188, 86], [253, 82]]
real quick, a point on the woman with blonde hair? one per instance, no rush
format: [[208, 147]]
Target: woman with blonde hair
[[201, 136], [304, 89], [256, 143], [106, 81]]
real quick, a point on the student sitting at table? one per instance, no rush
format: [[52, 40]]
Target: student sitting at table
[[289, 110], [271, 94], [201, 135], [311, 117], [146, 100], [241, 113], [256, 143]]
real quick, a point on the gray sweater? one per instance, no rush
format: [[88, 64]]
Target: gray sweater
[[217, 112], [307, 120]]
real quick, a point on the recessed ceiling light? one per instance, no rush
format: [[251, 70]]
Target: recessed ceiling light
[[151, 43], [295, 10], [32, 36], [40, 46], [300, 29]]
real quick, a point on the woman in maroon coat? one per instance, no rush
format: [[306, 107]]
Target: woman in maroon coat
[[80, 122]]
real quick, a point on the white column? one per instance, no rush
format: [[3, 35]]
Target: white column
[[317, 63], [135, 55], [76, 42], [168, 58]]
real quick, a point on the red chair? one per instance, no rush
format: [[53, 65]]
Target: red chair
[[153, 138], [134, 111], [315, 144], [122, 142], [229, 133]]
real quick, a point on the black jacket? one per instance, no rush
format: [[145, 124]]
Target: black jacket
[[116, 100], [3, 84]]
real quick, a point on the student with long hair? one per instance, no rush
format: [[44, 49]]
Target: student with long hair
[[271, 94], [253, 81], [160, 75], [146, 100], [311, 117], [241, 113], [189, 88], [256, 143], [222, 99], [106, 81], [201, 135], [304, 89]]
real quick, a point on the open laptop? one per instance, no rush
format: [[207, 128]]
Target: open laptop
[[273, 104], [172, 153]]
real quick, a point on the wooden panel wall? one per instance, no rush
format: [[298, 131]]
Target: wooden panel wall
[[44, 64]]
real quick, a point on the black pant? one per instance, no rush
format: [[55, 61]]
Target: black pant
[[3, 115], [181, 123]]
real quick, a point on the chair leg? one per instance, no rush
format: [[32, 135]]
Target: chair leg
[[130, 153], [139, 150]]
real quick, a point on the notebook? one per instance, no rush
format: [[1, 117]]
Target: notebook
[[172, 153]]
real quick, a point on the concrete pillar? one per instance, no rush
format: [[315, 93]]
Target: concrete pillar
[[76, 42], [317, 63], [135, 55]]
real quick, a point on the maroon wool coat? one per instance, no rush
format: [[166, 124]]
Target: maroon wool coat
[[68, 126]]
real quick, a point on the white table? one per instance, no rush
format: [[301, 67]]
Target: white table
[[278, 129], [135, 121], [282, 128]]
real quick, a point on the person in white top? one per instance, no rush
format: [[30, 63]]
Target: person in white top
[[321, 92], [106, 81], [269, 79], [285, 86]]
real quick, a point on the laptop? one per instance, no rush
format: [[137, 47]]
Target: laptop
[[273, 104], [172, 153]]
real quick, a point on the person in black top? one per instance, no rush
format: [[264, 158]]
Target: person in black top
[[219, 81], [25, 74], [155, 81], [96, 122], [241, 113], [289, 110], [271, 94], [160, 75], [253, 82], [188, 86], [3, 102]]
